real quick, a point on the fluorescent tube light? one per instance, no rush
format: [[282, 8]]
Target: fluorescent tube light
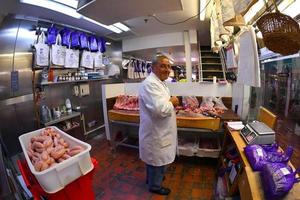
[[58, 7], [70, 3], [254, 10], [202, 9], [108, 43], [114, 29], [291, 10], [110, 27], [53, 6], [121, 26]]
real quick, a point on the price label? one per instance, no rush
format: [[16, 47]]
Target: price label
[[259, 152], [285, 171]]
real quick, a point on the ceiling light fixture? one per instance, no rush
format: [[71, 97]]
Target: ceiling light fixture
[[70, 3], [202, 9], [110, 27], [254, 10], [58, 7], [289, 7], [121, 26]]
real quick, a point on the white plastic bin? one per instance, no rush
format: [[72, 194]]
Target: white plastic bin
[[210, 153], [57, 177]]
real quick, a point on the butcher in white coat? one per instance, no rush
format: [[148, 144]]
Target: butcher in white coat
[[158, 129]]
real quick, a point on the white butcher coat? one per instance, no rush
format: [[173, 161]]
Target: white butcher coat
[[158, 129]]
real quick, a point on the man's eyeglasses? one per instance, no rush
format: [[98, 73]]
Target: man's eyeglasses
[[164, 66]]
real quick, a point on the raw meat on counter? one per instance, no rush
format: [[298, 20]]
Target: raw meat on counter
[[126, 102], [49, 148], [190, 102], [210, 106], [189, 113]]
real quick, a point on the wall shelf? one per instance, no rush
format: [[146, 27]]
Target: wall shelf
[[62, 118], [78, 81]]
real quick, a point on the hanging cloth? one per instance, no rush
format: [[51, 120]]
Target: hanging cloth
[[41, 51], [72, 58], [248, 63], [58, 52], [230, 57]]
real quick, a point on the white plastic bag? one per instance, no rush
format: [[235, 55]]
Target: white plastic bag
[[87, 60], [58, 52], [98, 60], [72, 58], [42, 51]]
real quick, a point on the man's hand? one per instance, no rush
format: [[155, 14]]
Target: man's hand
[[174, 100]]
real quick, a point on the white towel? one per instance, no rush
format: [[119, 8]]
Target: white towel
[[248, 63], [230, 58]]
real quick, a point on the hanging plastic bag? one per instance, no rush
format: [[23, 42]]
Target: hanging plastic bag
[[58, 52], [93, 43], [51, 34], [277, 180], [65, 37], [42, 51], [83, 41], [101, 45], [98, 60], [72, 58], [75, 44], [87, 59]]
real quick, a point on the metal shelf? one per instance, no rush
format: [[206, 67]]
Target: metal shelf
[[211, 63], [62, 118], [78, 81], [218, 71]]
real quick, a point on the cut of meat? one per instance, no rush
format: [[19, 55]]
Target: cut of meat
[[126, 102], [190, 102]]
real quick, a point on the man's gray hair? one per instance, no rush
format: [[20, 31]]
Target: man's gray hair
[[158, 59]]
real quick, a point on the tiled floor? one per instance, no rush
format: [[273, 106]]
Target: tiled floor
[[121, 176]]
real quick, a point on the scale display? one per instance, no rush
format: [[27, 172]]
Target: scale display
[[257, 133]]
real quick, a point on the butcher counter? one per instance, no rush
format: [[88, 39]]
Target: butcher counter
[[204, 125]]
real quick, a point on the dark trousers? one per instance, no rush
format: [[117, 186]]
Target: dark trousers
[[155, 176]]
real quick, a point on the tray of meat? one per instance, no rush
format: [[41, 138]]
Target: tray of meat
[[55, 158], [208, 148]]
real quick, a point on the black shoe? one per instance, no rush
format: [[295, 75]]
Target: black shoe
[[161, 191], [162, 180]]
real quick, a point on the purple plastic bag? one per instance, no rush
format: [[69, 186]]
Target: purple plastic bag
[[258, 156], [75, 40], [51, 34], [101, 45], [270, 147], [83, 41], [277, 180], [93, 43], [65, 37]]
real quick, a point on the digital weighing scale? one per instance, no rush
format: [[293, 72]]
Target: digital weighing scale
[[258, 133]]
